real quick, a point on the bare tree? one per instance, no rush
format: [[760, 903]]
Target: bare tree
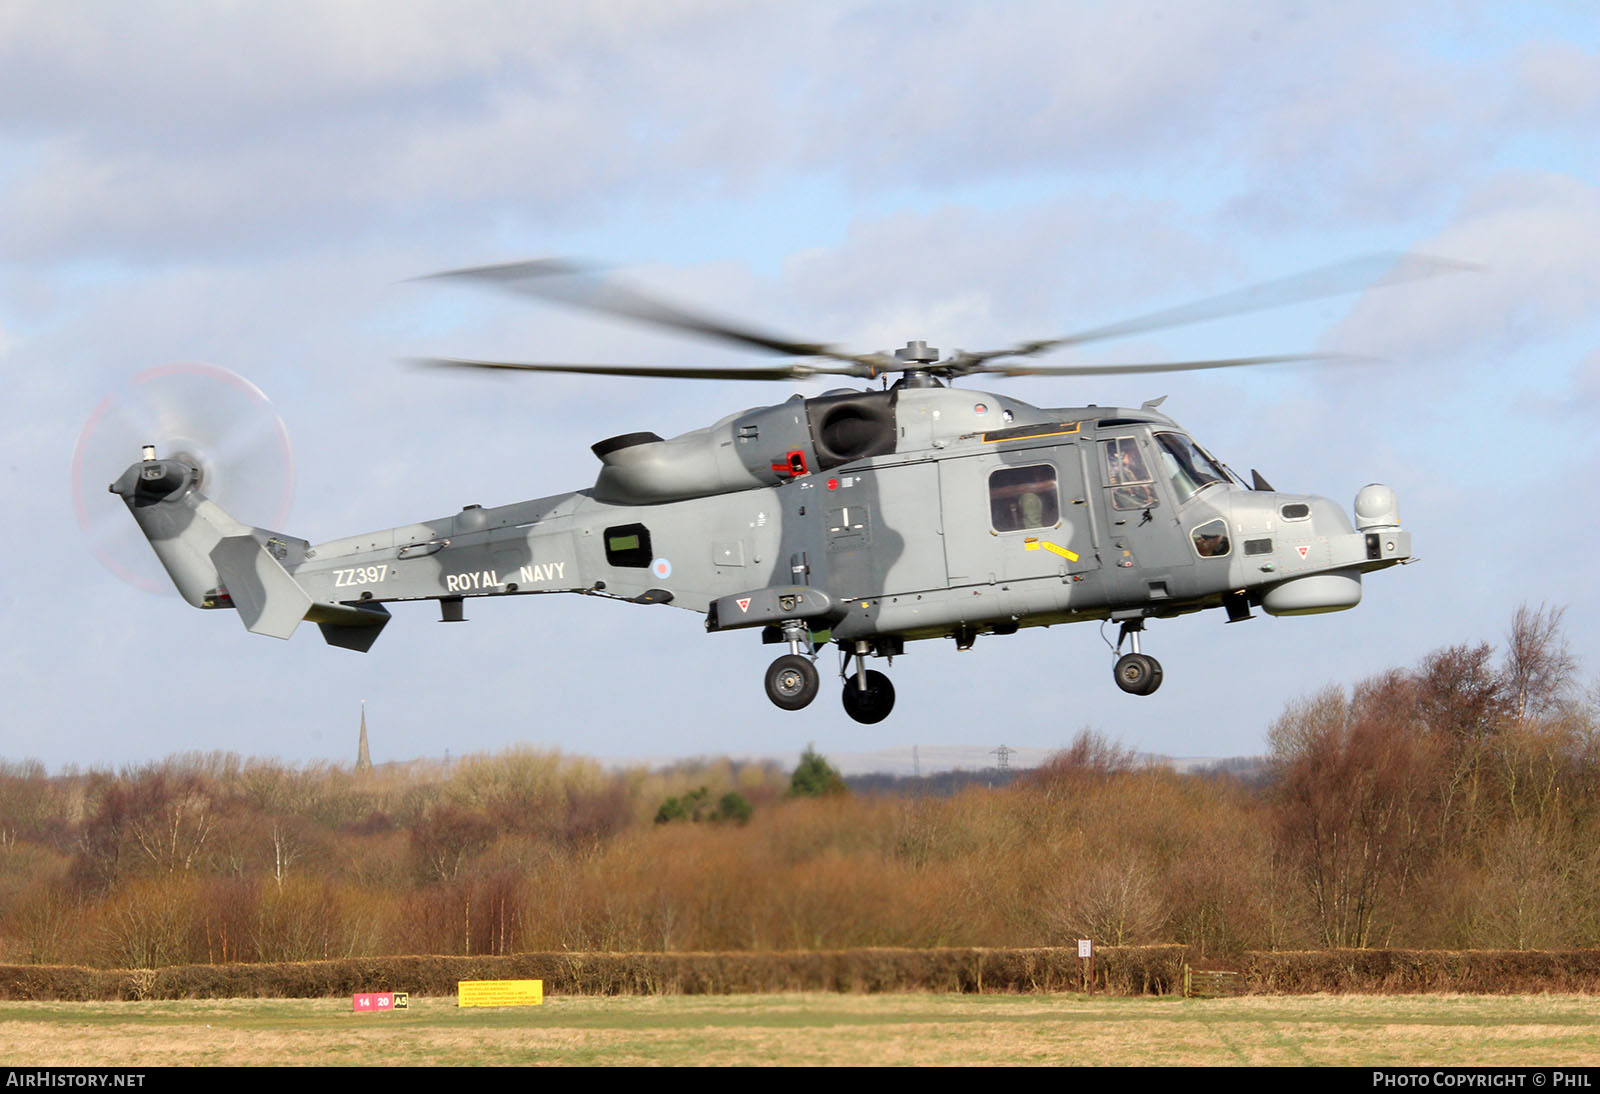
[[1118, 902], [172, 820], [1540, 669], [449, 835], [1460, 692], [1354, 797]]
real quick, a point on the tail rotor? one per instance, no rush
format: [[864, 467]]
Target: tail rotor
[[204, 415]]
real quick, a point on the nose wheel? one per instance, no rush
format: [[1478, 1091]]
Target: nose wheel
[[792, 682], [1136, 673]]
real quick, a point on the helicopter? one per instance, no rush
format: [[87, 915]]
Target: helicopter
[[866, 517]]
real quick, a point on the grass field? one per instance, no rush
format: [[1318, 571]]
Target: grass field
[[815, 1029]]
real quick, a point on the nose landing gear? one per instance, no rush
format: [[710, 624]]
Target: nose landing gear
[[1136, 673], [791, 680]]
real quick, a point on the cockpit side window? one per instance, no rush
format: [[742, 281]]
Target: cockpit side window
[[1186, 465], [1211, 539], [1127, 475], [1024, 497]]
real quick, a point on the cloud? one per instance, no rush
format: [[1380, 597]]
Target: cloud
[[210, 131], [1559, 85]]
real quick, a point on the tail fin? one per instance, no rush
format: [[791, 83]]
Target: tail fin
[[214, 560], [268, 599]]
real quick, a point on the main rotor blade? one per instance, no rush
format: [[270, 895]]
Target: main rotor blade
[[1354, 275], [675, 372], [1161, 366], [566, 283]]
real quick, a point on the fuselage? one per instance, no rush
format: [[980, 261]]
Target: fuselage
[[914, 512], [868, 519]]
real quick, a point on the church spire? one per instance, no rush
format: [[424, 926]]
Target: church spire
[[363, 757]]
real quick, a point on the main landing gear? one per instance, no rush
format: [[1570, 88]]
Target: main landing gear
[[1136, 673], [868, 695], [792, 683]]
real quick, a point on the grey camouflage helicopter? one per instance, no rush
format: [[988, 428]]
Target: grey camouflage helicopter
[[868, 518]]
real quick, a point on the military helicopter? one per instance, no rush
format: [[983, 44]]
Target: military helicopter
[[865, 517]]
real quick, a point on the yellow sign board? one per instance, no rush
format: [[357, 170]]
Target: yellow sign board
[[499, 993]]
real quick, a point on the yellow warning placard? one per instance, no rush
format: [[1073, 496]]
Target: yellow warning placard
[[499, 993]]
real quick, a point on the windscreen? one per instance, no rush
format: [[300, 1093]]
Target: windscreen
[[1187, 466]]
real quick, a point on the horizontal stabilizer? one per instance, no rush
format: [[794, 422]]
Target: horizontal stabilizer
[[350, 628], [268, 599]]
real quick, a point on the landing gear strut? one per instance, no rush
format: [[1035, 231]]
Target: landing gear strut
[[791, 680], [1136, 673], [868, 695]]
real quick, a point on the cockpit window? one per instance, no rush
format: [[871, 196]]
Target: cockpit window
[[1186, 465], [1127, 474], [1024, 497], [1211, 539]]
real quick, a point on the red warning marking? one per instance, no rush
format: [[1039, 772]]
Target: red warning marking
[[1304, 550], [744, 603], [793, 465]]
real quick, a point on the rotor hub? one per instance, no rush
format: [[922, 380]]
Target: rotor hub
[[918, 352]]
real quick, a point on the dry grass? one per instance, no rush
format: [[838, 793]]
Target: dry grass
[[815, 1029]]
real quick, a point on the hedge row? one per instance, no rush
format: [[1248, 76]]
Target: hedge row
[[1479, 972], [1125, 970], [1129, 970]]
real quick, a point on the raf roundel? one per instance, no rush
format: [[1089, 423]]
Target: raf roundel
[[661, 568]]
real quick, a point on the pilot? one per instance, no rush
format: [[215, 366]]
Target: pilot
[[1123, 464]]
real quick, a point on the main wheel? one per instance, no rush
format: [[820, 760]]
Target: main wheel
[[1137, 673], [792, 682], [873, 705]]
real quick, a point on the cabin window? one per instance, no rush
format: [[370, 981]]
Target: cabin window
[[1211, 539], [628, 545], [1024, 497], [1127, 475]]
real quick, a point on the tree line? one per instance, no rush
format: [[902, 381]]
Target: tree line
[[1451, 804]]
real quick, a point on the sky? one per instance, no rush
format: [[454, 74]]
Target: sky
[[252, 186]]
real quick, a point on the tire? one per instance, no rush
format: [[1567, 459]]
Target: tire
[[1137, 674], [873, 705], [792, 682]]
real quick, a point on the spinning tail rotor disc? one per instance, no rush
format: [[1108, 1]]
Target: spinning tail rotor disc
[[205, 415]]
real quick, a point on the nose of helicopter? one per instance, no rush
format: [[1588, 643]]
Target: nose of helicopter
[[1313, 558]]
